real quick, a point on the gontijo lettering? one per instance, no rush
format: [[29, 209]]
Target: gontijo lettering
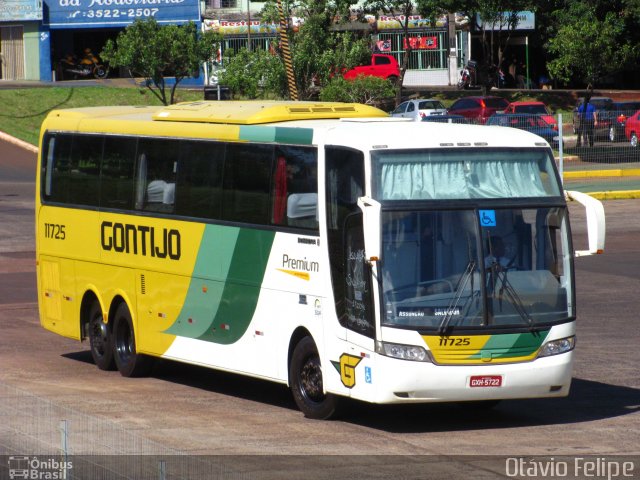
[[140, 240]]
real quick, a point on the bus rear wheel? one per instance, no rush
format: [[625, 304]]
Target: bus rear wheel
[[100, 339], [130, 363], [305, 380]]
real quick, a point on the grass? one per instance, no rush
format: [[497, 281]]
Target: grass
[[24, 109]]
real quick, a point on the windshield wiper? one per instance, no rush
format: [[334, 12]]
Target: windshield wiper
[[513, 296], [453, 304]]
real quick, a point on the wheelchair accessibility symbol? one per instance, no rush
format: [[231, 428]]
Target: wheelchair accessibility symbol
[[487, 218]]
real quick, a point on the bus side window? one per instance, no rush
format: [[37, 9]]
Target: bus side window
[[295, 192], [156, 182], [199, 185], [118, 161], [82, 185], [57, 167], [247, 180]]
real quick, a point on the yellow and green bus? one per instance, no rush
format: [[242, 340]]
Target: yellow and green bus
[[324, 246]]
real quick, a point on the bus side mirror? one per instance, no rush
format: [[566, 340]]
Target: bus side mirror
[[596, 225], [372, 232]]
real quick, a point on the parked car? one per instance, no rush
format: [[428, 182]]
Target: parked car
[[446, 119], [533, 108], [380, 65], [530, 123], [632, 129], [622, 111], [418, 109], [478, 109], [604, 108]]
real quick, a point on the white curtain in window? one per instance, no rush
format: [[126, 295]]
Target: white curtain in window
[[460, 179]]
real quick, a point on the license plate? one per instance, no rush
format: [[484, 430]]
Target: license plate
[[485, 381]]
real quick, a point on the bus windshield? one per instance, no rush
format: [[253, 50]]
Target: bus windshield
[[444, 269], [469, 174]]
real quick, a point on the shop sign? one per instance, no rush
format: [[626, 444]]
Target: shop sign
[[526, 21], [119, 13], [12, 10], [416, 21], [421, 43], [226, 27]]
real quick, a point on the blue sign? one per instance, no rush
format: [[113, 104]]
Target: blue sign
[[119, 13], [487, 218], [12, 10]]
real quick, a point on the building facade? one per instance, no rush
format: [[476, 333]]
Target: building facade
[[37, 37], [76, 26], [21, 37], [429, 63]]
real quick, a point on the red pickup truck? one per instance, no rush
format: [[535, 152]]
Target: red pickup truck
[[381, 65]]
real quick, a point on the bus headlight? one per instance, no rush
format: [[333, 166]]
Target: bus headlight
[[556, 347], [403, 352]]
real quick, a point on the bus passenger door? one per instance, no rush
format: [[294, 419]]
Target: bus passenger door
[[359, 311]]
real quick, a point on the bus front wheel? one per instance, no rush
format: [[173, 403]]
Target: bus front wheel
[[305, 380], [130, 363], [100, 339]]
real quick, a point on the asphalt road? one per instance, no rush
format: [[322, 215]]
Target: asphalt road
[[185, 409]]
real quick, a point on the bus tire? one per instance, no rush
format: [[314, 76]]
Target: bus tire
[[100, 339], [305, 380], [130, 363]]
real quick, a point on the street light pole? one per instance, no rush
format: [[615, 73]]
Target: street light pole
[[453, 49], [286, 54], [248, 25]]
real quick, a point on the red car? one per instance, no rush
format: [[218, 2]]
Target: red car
[[632, 129], [478, 109], [381, 65], [533, 108]]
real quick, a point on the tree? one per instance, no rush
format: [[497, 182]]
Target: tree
[[589, 43], [254, 74], [499, 20], [318, 50], [155, 52]]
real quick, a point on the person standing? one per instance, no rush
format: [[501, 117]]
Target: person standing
[[588, 120]]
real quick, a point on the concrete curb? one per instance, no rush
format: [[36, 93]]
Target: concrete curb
[[612, 172], [619, 195], [17, 142]]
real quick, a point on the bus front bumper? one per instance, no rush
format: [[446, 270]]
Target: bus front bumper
[[401, 381]]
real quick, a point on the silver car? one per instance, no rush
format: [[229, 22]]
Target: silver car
[[420, 108]]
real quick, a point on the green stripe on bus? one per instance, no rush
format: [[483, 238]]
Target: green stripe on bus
[[296, 136], [207, 282], [512, 345], [223, 294]]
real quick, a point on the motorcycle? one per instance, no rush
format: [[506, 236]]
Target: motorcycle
[[468, 75], [88, 67]]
